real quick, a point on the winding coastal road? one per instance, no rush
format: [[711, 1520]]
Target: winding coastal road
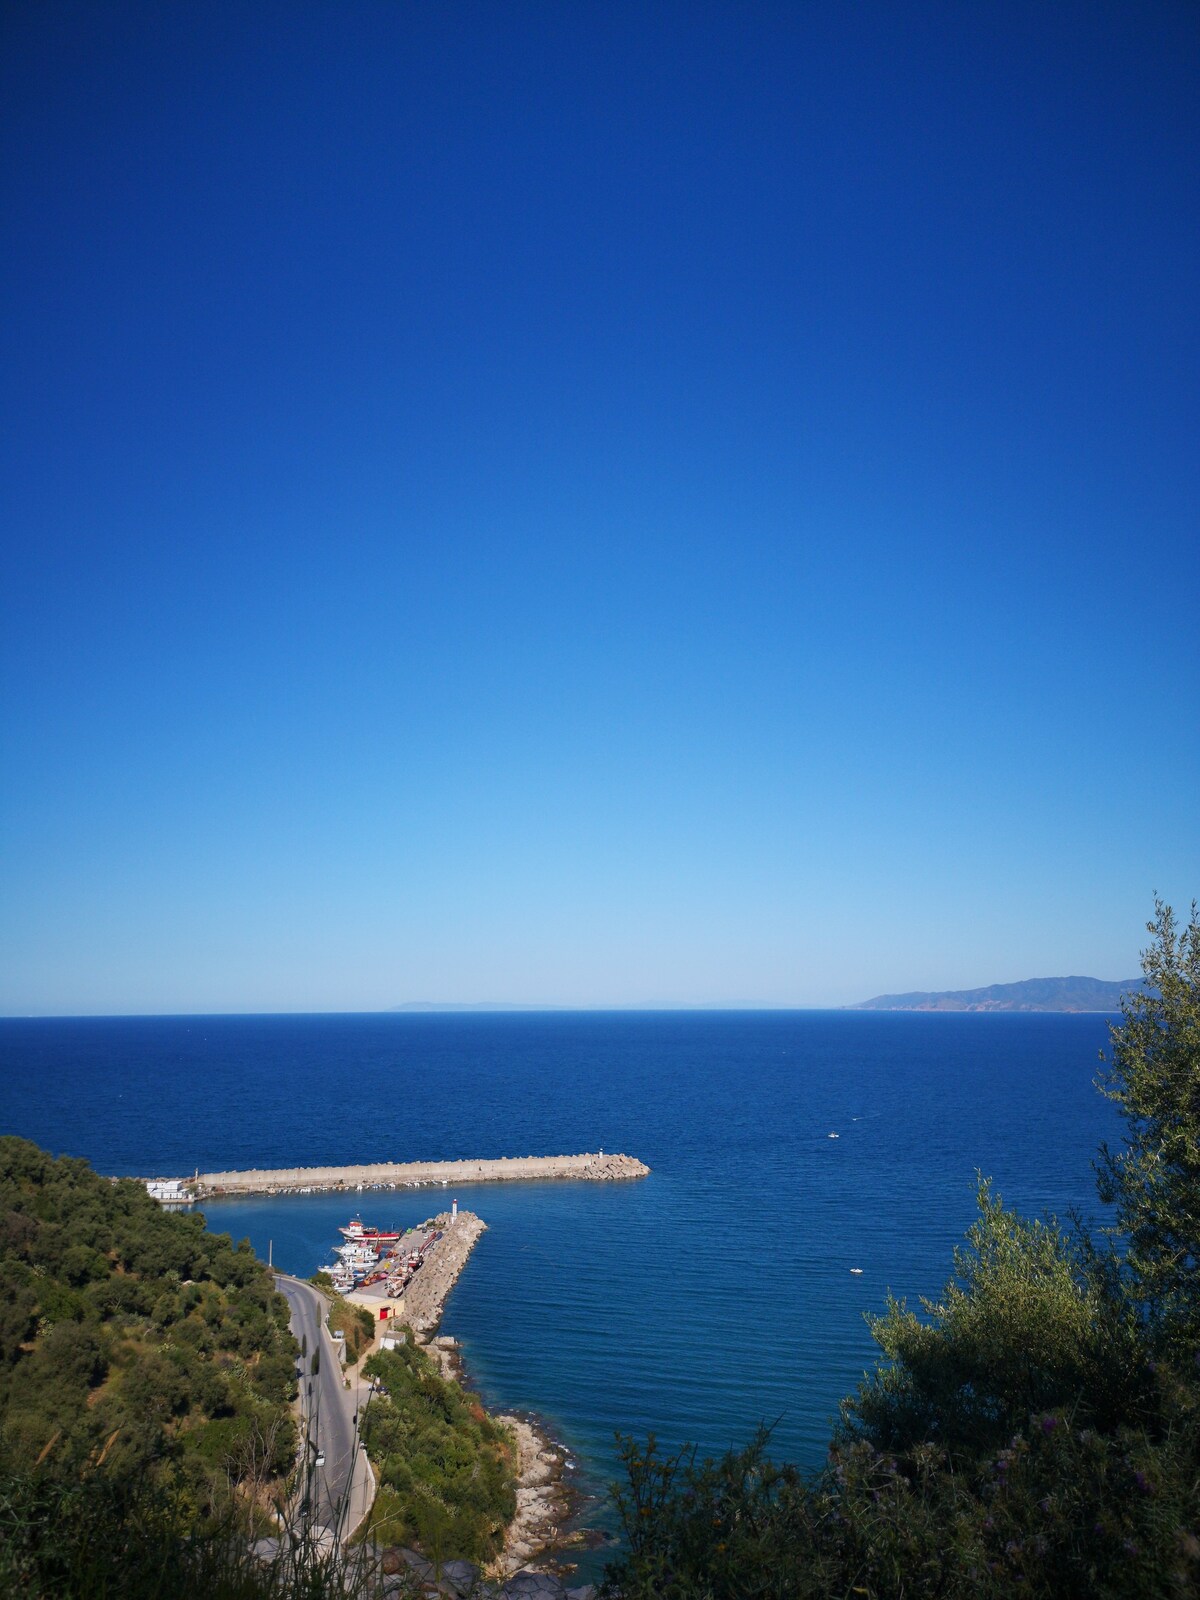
[[343, 1488]]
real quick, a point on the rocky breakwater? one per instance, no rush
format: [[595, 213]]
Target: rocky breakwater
[[595, 1167], [425, 1296]]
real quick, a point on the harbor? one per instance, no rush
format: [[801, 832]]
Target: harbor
[[597, 1167], [404, 1277]]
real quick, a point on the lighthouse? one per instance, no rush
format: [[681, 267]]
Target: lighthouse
[[453, 1210]]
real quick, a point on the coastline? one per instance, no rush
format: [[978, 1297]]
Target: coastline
[[546, 1502], [537, 1538], [594, 1167]]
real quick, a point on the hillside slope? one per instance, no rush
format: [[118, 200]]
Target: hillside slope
[[135, 1337], [1033, 994]]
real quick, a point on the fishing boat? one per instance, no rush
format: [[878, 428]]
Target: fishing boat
[[356, 1233], [357, 1256]]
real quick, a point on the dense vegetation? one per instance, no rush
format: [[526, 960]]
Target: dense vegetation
[[1036, 1431], [445, 1470], [135, 1340], [446, 1477], [356, 1323], [102, 1536]]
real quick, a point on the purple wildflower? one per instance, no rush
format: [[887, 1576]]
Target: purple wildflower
[[1049, 1424]]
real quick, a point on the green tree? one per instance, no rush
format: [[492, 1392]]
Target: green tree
[[1024, 1326], [1034, 1431], [1153, 1180]]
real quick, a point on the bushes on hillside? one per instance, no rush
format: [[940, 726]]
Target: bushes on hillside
[[134, 1333], [445, 1467]]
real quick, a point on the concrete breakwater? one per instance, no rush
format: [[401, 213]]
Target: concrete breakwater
[[413, 1174], [425, 1296]]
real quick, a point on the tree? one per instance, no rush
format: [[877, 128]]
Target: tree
[[1022, 1327], [1153, 1180], [1034, 1431]]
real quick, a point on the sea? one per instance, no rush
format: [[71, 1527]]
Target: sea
[[787, 1148]]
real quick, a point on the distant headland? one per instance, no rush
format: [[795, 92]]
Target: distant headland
[[1033, 994]]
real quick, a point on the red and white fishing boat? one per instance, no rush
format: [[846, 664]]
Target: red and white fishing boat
[[355, 1233]]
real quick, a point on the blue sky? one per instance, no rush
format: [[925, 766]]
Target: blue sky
[[594, 504]]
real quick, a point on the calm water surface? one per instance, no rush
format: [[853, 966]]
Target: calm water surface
[[711, 1295]]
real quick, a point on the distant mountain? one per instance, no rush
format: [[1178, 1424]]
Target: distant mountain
[[1034, 994], [461, 1005]]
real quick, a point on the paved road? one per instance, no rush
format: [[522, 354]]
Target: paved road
[[343, 1488]]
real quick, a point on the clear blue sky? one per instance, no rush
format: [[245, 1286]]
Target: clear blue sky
[[594, 503]]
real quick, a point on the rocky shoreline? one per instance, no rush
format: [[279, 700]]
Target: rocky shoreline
[[536, 1539], [537, 1535]]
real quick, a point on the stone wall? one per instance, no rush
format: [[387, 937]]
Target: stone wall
[[418, 1174]]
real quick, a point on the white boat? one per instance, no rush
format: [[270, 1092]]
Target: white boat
[[343, 1278], [356, 1255]]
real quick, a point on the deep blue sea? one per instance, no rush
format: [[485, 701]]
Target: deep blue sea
[[696, 1302]]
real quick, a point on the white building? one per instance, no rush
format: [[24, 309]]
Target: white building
[[169, 1190]]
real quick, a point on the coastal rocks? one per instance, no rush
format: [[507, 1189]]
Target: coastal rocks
[[408, 1575], [542, 1506], [533, 1586], [462, 1576]]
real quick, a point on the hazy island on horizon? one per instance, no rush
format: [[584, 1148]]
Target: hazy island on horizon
[[1031, 994], [1070, 994]]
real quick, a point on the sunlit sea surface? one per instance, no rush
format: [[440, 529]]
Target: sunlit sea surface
[[715, 1293]]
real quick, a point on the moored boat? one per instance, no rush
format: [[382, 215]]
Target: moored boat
[[356, 1233]]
